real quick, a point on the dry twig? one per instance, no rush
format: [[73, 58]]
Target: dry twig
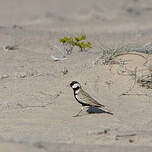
[[133, 84]]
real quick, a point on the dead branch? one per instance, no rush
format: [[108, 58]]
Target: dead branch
[[126, 135], [40, 106], [133, 84], [135, 94]]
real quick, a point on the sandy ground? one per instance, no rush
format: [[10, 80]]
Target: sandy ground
[[36, 102]]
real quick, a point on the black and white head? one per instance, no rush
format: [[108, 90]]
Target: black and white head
[[75, 85]]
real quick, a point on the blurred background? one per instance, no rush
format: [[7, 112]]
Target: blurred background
[[26, 11]]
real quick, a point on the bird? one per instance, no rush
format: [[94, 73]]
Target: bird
[[85, 99]]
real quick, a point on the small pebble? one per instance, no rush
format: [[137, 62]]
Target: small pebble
[[22, 75], [10, 47], [4, 76], [65, 71], [131, 140]]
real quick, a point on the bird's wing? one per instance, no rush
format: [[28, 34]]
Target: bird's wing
[[86, 98]]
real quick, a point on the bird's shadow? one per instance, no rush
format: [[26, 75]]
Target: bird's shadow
[[96, 110]]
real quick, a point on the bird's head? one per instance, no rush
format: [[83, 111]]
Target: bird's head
[[75, 85]]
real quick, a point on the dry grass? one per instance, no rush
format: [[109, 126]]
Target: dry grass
[[144, 78]]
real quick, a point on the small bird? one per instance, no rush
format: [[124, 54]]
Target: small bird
[[85, 99]]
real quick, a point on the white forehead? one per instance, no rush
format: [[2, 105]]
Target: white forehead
[[76, 85]]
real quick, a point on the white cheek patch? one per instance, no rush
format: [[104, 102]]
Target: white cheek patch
[[76, 85], [76, 92]]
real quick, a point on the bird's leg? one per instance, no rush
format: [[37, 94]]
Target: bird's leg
[[78, 112]]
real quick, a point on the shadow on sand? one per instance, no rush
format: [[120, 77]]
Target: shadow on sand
[[96, 110]]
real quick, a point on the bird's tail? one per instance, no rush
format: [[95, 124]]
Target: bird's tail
[[106, 110]]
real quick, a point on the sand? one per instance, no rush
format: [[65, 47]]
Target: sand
[[36, 101]]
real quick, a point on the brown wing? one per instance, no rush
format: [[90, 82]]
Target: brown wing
[[87, 99]]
